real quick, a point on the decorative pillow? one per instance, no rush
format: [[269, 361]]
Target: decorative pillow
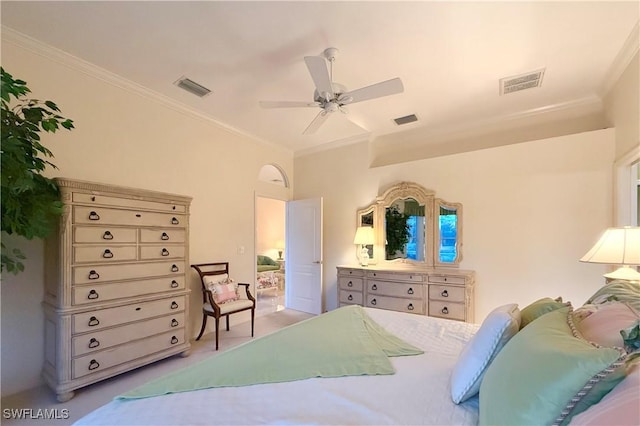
[[224, 293], [539, 308], [603, 326], [620, 291], [498, 327], [540, 376], [222, 287], [618, 407]]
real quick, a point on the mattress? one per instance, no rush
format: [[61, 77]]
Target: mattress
[[418, 393]]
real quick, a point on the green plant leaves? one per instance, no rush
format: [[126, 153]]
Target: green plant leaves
[[30, 202]]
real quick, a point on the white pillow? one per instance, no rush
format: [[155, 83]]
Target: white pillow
[[496, 330], [211, 280]]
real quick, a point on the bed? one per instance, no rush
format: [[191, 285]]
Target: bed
[[442, 372]]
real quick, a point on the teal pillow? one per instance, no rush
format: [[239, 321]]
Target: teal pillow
[[543, 373], [539, 308], [266, 260], [623, 291]]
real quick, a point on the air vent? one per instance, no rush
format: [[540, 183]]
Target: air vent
[[406, 119], [192, 87], [521, 82]]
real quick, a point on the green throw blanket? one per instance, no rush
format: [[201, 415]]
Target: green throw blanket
[[343, 342]]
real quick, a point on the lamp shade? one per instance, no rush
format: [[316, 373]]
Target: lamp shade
[[364, 235], [617, 246]]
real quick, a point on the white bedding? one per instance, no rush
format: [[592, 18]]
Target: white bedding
[[418, 393]]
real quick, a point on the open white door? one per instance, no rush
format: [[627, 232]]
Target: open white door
[[304, 256]]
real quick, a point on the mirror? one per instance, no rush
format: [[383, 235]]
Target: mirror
[[412, 226], [366, 217], [448, 233]]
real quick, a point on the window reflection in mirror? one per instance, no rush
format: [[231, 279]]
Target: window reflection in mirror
[[448, 227], [405, 226]]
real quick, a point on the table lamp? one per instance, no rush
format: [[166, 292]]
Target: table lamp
[[618, 246]]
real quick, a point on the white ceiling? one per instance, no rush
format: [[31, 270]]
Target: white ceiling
[[449, 55]]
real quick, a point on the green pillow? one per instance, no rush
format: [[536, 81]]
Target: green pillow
[[266, 260], [623, 291], [539, 308], [539, 376]]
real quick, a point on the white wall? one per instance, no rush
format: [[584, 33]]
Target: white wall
[[531, 210], [125, 138]]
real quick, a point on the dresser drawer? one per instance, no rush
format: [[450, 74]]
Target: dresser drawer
[[350, 297], [350, 284], [447, 279], [102, 292], [413, 291], [103, 318], [448, 310], [99, 234], [395, 276], [161, 252], [446, 293], [106, 200], [93, 342], [94, 362], [162, 235], [103, 215], [107, 253], [351, 272], [414, 306], [103, 273]]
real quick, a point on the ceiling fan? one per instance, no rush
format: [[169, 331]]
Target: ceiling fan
[[330, 96]]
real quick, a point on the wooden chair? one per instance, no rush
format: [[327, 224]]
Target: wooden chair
[[215, 272]]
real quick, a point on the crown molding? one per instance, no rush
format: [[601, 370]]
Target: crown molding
[[66, 59], [622, 59]]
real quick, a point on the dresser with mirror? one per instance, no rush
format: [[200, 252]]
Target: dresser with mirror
[[413, 263]]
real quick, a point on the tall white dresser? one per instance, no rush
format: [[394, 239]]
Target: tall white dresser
[[116, 294]]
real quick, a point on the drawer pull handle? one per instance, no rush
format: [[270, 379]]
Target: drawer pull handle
[[164, 236], [94, 216], [94, 343], [174, 268], [374, 287], [165, 252], [350, 297], [174, 323], [174, 340], [138, 308], [93, 364], [410, 307], [410, 291], [174, 221], [373, 302], [93, 295], [173, 208], [349, 284], [174, 305], [93, 198], [93, 321], [138, 215], [93, 275], [445, 279], [108, 254], [444, 293], [445, 310], [107, 235], [174, 284]]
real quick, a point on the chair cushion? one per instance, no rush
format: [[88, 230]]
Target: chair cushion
[[235, 305], [266, 260]]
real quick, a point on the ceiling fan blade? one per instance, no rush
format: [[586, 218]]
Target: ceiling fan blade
[[378, 90], [287, 104], [316, 123], [320, 74]]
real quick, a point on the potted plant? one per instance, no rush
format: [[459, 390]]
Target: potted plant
[[30, 201]]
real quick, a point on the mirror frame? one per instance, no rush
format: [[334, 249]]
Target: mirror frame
[[423, 196], [359, 214]]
